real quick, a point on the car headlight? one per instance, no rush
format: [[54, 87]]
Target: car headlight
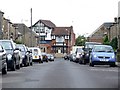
[[9, 56], [113, 56], [23, 56], [87, 54], [94, 56]]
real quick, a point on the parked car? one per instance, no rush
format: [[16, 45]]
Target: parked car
[[66, 57], [87, 49], [3, 60], [30, 56], [20, 55], [79, 54], [45, 58], [13, 59], [50, 57], [102, 55], [25, 54], [36, 54], [72, 57]]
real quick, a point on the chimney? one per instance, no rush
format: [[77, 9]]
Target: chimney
[[118, 19], [115, 19]]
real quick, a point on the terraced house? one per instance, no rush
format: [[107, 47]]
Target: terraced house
[[1, 24]]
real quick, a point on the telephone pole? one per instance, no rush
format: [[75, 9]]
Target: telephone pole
[[31, 27]]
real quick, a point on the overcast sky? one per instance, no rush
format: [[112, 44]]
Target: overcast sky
[[84, 15]]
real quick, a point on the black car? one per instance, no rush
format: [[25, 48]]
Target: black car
[[13, 59], [3, 62], [66, 57], [87, 49], [44, 57], [50, 57]]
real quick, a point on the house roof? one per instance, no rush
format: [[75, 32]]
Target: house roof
[[105, 25], [22, 27], [62, 30], [47, 23]]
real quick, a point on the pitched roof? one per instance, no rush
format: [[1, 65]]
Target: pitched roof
[[108, 24], [62, 31], [105, 25], [22, 27], [47, 23]]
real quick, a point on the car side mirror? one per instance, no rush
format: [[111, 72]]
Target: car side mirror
[[2, 50], [16, 49], [29, 51], [83, 48]]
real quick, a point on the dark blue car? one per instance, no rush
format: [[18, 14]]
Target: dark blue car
[[102, 55]]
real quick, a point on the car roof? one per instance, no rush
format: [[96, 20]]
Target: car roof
[[103, 45]]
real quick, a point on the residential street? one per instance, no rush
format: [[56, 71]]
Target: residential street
[[62, 74]]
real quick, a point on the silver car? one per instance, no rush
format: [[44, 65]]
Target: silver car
[[3, 62], [13, 59]]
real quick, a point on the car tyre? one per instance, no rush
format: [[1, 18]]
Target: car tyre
[[18, 66], [4, 70], [31, 63], [14, 66], [113, 65]]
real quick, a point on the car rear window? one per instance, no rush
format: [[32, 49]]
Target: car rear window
[[35, 51]]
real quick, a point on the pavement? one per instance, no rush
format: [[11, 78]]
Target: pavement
[[118, 64]]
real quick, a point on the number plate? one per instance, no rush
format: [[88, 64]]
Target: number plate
[[35, 56], [105, 60]]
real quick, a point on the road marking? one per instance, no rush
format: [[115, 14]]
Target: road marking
[[104, 69]]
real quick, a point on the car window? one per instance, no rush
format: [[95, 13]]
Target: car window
[[21, 47], [6, 45], [79, 50], [35, 51], [1, 48], [103, 49]]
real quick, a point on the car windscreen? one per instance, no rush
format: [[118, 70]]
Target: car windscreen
[[6, 45], [91, 45], [21, 48], [1, 49], [79, 50], [35, 51], [103, 49]]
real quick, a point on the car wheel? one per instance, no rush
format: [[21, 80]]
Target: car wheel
[[21, 65], [91, 63], [31, 63], [113, 65], [18, 66], [4, 70], [14, 66]]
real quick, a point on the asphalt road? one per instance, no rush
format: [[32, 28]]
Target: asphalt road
[[62, 74]]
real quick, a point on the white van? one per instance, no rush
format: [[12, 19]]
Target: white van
[[36, 54]]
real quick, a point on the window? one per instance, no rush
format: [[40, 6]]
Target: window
[[53, 37], [42, 38], [60, 39], [67, 37]]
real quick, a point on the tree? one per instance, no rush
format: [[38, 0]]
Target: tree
[[80, 40], [106, 40], [114, 43]]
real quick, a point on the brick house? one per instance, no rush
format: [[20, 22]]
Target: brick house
[[43, 29], [104, 29], [26, 34], [63, 38], [1, 24]]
